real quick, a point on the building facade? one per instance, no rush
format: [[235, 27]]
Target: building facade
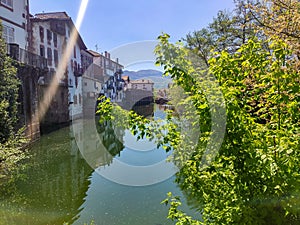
[[15, 21], [50, 35], [16, 25], [114, 85], [38, 43], [102, 75], [142, 84], [92, 81], [137, 93]]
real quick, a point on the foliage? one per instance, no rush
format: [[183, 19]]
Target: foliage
[[9, 85], [228, 31], [279, 18], [11, 153], [255, 177], [246, 172], [138, 125], [11, 140]]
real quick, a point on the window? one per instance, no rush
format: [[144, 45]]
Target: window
[[8, 34], [74, 52], [42, 34], [42, 51], [62, 95], [49, 56], [55, 39], [75, 99], [55, 57], [8, 3], [79, 99], [49, 36]]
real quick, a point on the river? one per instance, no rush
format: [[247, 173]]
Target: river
[[72, 181]]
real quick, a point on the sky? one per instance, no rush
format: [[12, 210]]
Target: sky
[[112, 23]]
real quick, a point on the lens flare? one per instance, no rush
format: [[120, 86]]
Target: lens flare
[[62, 66]]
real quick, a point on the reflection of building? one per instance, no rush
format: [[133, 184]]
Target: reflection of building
[[56, 183], [15, 20], [111, 137], [98, 143], [51, 33]]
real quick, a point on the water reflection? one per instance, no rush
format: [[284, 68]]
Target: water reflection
[[61, 187], [55, 185], [98, 143]]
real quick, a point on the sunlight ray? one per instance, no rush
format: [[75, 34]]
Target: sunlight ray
[[45, 103]]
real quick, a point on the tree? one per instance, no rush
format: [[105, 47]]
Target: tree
[[228, 31], [9, 85], [248, 174], [279, 18], [11, 141], [254, 179]]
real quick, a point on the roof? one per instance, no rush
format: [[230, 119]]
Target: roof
[[93, 53], [62, 16], [125, 77], [142, 81], [52, 15]]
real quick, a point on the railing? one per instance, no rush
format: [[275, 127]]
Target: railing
[[26, 57], [78, 72]]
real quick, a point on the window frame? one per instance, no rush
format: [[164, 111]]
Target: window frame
[[8, 33], [42, 33], [55, 39], [7, 5], [49, 56], [55, 56], [49, 36], [42, 51]]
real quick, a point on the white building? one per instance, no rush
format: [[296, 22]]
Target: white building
[[114, 86], [51, 33], [92, 80], [142, 84], [14, 15]]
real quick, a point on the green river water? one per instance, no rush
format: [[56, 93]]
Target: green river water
[[63, 182]]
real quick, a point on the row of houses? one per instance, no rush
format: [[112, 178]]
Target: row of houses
[[38, 44]]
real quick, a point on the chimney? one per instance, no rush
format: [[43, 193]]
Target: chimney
[[105, 54], [117, 60]]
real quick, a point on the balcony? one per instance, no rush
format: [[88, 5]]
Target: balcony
[[78, 72], [110, 86], [26, 57]]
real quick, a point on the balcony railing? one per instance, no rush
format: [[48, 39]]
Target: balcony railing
[[78, 72], [26, 57]]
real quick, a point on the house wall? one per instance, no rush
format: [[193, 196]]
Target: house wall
[[68, 79], [16, 18], [141, 85]]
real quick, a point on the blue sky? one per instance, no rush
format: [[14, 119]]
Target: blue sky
[[113, 23], [110, 23]]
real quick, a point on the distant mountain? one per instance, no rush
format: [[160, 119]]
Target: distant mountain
[[134, 75], [154, 75]]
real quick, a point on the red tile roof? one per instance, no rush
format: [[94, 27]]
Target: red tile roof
[[93, 53]]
